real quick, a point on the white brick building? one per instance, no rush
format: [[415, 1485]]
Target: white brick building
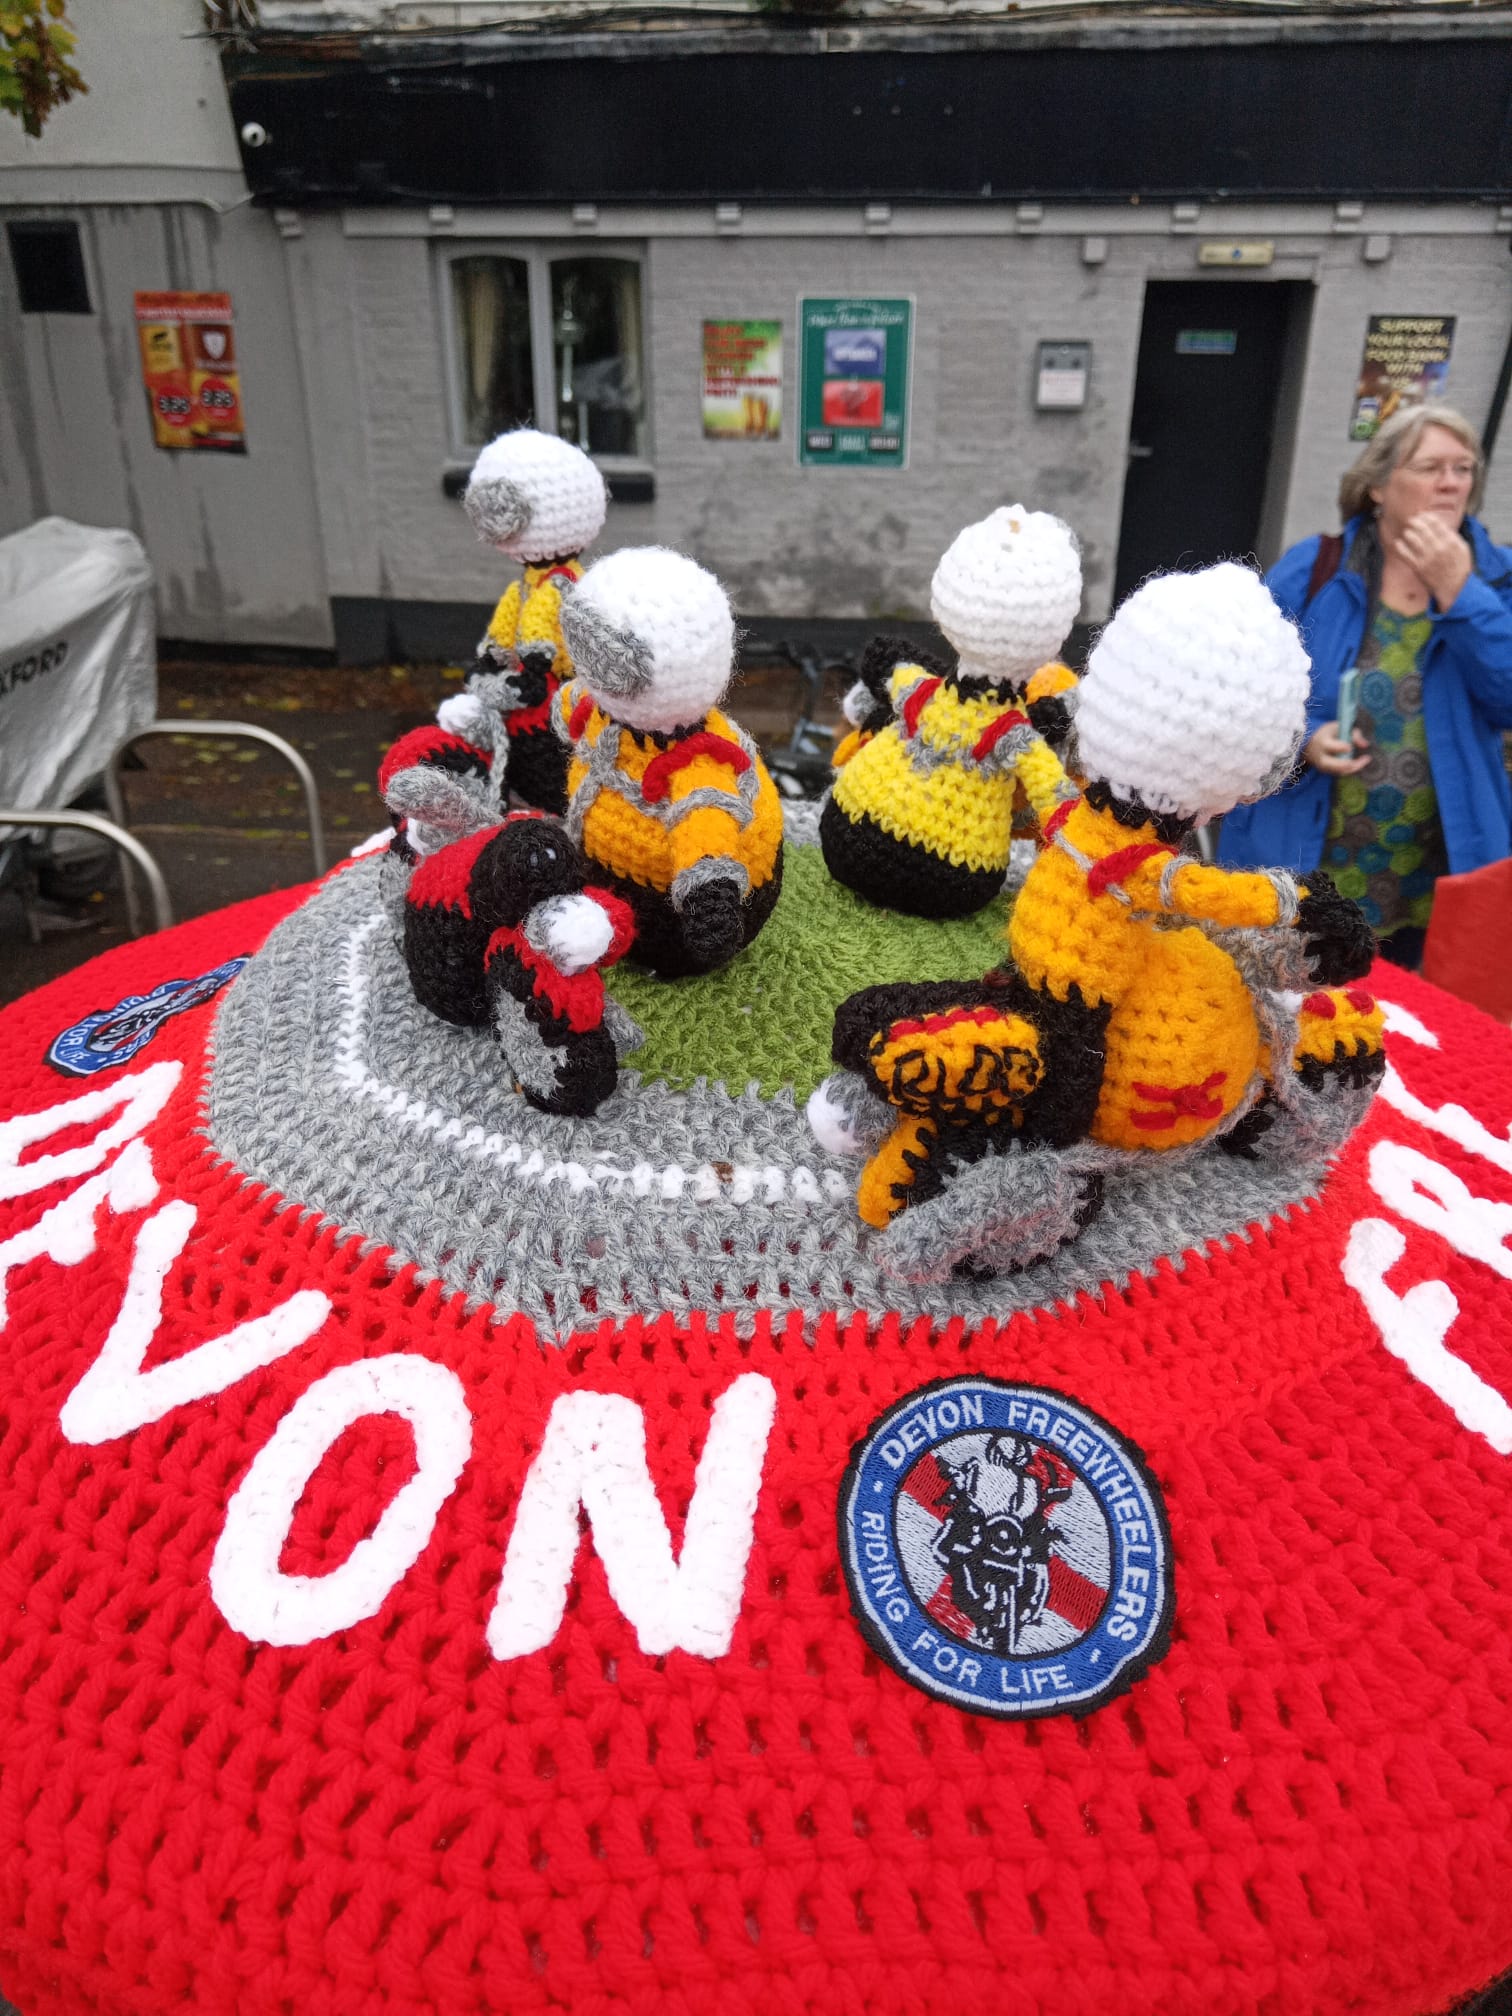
[[787, 162]]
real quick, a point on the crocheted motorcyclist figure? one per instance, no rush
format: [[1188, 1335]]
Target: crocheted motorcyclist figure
[[921, 816], [1143, 982], [437, 787], [668, 796], [507, 928], [541, 501]]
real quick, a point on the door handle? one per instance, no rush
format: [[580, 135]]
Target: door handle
[[1138, 452]]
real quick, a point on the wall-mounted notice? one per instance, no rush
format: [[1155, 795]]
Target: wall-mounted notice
[[188, 345], [742, 381], [1406, 361], [1060, 377], [856, 358]]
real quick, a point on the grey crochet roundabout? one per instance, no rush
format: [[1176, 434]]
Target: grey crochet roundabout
[[332, 1087]]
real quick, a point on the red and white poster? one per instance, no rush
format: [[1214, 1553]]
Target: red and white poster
[[188, 344]]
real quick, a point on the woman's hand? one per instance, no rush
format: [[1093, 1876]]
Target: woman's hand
[[1437, 554], [1326, 751]]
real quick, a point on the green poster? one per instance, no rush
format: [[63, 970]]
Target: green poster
[[855, 360]]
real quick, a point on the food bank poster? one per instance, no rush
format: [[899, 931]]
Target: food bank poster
[[857, 355], [742, 381], [1406, 361], [188, 344]]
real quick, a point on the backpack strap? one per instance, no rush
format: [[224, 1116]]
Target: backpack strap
[[1325, 565]]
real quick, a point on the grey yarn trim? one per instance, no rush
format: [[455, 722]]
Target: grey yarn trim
[[442, 802], [800, 820], [522, 1046], [603, 773], [871, 1118], [498, 510], [330, 1086], [710, 798], [708, 868], [1004, 754], [625, 1033], [613, 661]]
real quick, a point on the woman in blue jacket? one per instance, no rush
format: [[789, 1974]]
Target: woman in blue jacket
[[1420, 599]]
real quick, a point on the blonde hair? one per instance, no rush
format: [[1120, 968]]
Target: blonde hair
[[1390, 446]]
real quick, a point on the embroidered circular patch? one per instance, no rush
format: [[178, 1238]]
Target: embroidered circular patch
[[113, 1036], [1006, 1549]]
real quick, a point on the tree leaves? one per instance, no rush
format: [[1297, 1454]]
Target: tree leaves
[[36, 75]]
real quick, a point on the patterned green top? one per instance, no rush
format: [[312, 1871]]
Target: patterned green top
[[1384, 845]]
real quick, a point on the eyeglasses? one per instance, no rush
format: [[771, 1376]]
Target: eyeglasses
[[1463, 472]]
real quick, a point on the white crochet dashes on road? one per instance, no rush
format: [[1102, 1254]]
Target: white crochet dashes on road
[[1006, 592], [1195, 695]]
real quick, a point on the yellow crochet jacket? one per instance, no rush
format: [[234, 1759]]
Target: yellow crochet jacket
[[669, 814], [946, 771], [530, 611], [1098, 913]]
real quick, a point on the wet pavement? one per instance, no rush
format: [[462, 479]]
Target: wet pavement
[[226, 820]]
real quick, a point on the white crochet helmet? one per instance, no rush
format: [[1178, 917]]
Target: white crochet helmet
[[651, 637], [535, 497], [1007, 591], [1195, 695]]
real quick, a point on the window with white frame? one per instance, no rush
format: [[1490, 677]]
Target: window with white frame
[[549, 338]]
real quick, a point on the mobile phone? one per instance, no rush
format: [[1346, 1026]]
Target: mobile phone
[[1349, 703]]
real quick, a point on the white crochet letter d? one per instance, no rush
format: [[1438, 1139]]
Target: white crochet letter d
[[593, 1455]]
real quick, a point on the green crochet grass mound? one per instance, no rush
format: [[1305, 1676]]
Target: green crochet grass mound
[[767, 1018]]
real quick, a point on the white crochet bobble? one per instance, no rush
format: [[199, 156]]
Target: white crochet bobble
[[1007, 591], [535, 497], [1195, 695], [651, 637]]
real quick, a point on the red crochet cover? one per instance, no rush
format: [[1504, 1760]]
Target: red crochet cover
[[1305, 1806]]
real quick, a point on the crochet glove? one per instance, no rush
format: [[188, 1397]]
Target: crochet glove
[[1340, 945], [536, 661], [492, 658], [1050, 717], [713, 921]]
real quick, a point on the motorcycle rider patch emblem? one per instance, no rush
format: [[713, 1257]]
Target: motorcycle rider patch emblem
[[1006, 1549], [113, 1036]]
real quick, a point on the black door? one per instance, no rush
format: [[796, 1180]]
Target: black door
[[1209, 371]]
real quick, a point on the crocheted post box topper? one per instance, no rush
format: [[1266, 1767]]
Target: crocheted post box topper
[[1144, 1004], [505, 929], [921, 817], [540, 500], [368, 1655], [668, 795]]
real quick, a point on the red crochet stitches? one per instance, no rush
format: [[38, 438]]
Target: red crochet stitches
[[1113, 870], [1302, 1808], [660, 771]]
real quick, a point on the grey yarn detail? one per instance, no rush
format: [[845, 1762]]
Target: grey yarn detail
[[440, 805], [603, 773], [331, 1086], [1004, 754], [499, 509], [522, 1046], [393, 885], [800, 820], [1165, 895], [612, 661], [1007, 1210], [708, 868], [1086, 862], [868, 1115], [1288, 903], [625, 1033], [710, 798]]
